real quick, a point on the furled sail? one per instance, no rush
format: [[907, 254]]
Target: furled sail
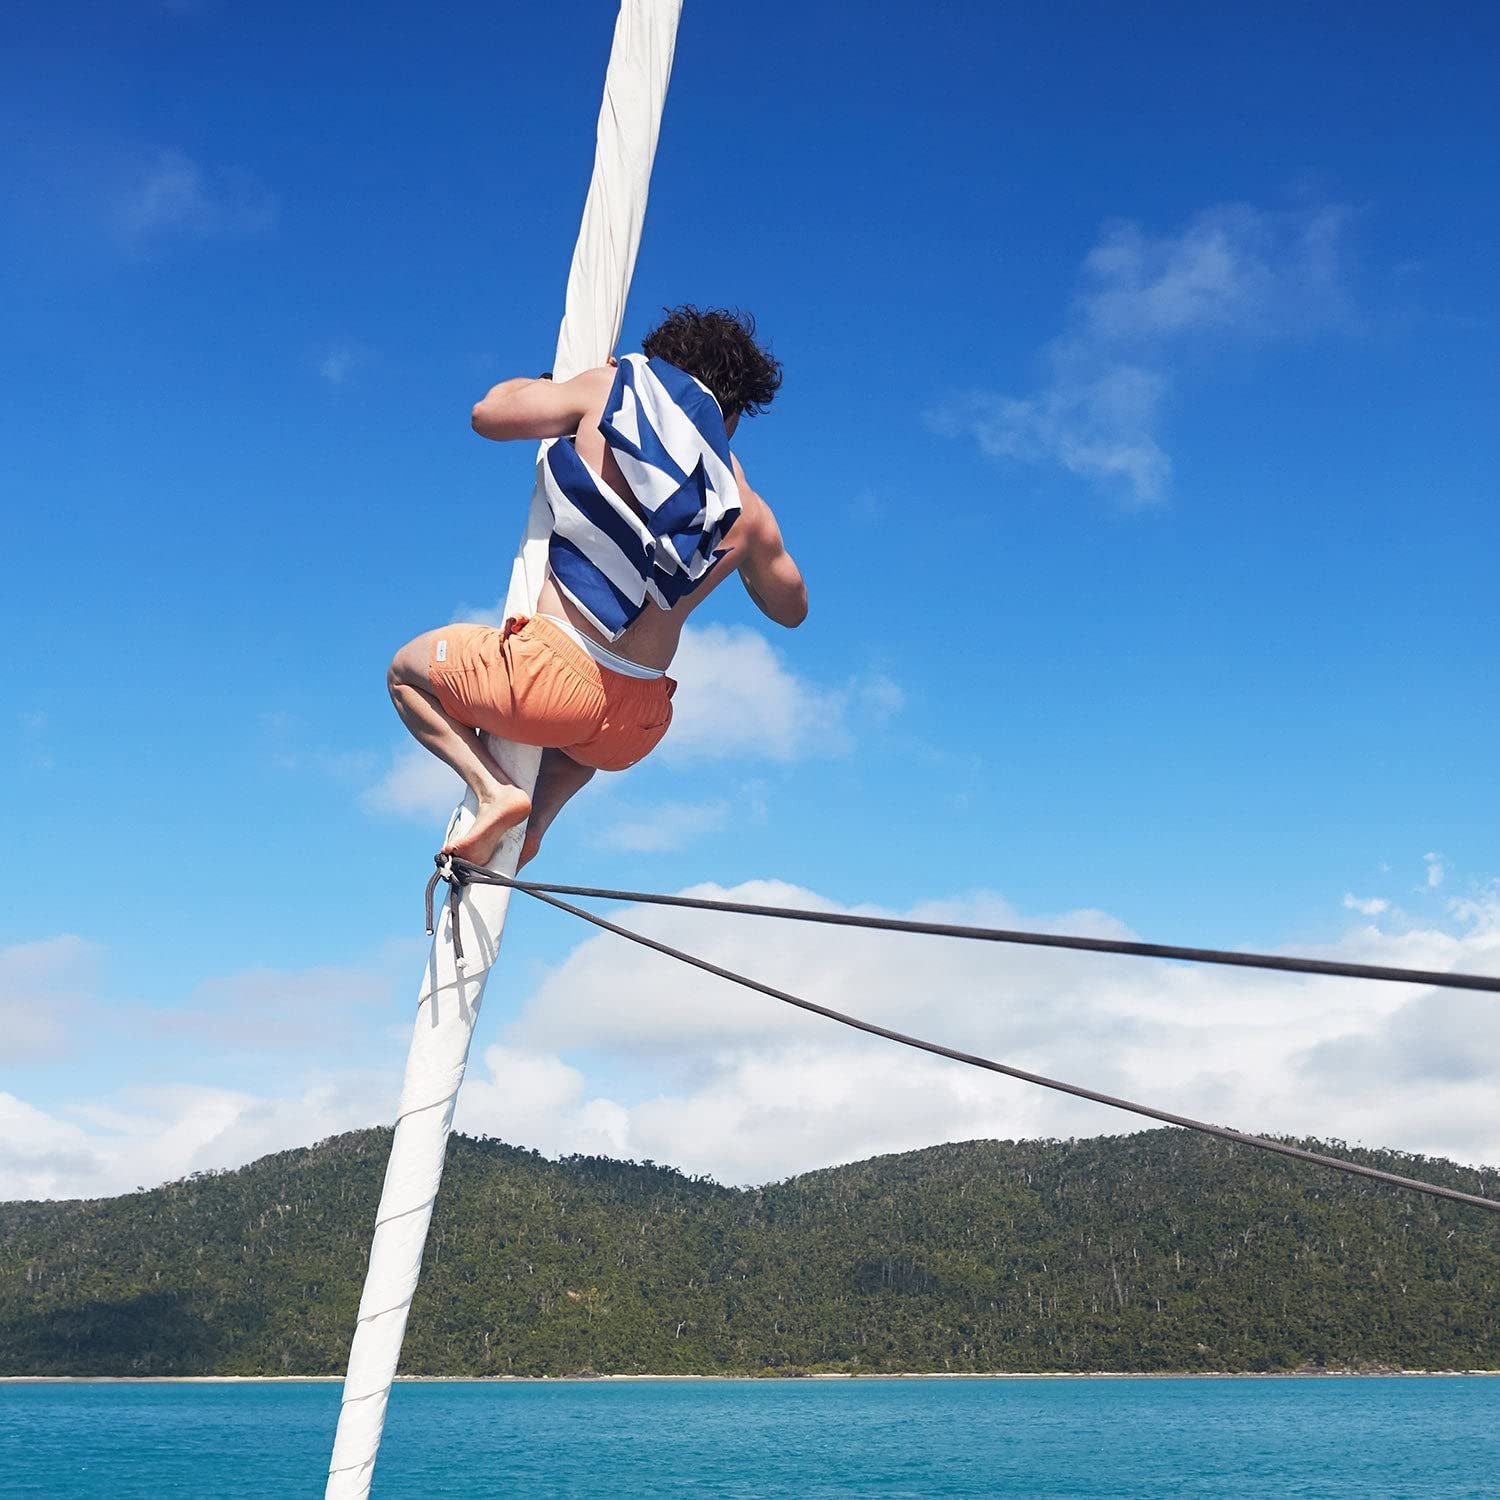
[[448, 1004]]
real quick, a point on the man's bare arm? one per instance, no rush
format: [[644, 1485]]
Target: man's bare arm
[[525, 408], [772, 580]]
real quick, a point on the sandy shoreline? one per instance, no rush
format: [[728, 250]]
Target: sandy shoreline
[[748, 1379]]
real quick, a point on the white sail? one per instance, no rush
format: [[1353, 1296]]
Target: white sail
[[448, 1004]]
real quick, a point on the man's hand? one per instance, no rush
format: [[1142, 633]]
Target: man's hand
[[542, 408]]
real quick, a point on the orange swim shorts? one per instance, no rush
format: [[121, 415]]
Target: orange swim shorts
[[534, 684]]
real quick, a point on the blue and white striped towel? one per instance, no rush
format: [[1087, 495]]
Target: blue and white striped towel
[[666, 432]]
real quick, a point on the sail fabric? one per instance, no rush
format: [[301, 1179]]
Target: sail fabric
[[611, 558], [449, 1000]]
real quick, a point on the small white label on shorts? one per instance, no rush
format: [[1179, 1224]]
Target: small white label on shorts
[[441, 654]]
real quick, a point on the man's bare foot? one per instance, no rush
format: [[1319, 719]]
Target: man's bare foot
[[497, 815]]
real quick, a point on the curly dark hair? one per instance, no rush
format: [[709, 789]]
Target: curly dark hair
[[718, 346]]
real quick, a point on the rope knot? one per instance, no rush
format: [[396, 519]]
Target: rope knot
[[455, 872]]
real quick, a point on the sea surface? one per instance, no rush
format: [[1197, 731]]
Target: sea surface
[[1397, 1437]]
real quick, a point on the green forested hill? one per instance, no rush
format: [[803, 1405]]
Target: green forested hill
[[1158, 1251]]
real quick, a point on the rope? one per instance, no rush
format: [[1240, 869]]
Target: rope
[[475, 874], [460, 871], [456, 880]]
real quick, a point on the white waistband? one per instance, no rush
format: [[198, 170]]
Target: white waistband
[[607, 659]]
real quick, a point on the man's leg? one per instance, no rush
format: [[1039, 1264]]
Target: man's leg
[[558, 779], [502, 804]]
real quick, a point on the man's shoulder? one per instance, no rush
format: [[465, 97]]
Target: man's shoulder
[[756, 520], [593, 388], [600, 380]]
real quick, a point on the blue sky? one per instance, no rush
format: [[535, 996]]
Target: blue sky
[[1139, 442]]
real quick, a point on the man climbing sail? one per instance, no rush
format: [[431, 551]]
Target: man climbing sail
[[651, 512]]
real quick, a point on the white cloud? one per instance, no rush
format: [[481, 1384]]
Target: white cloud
[[38, 1153], [1232, 271], [1436, 870], [43, 987], [33, 725], [769, 1115], [1371, 906], [286, 745], [340, 361], [1098, 420], [331, 1038], [738, 697], [418, 784], [146, 1136], [878, 695], [1236, 268], [307, 1013], [541, 1099], [662, 829], [169, 196]]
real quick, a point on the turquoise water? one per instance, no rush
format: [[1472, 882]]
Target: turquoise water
[[1406, 1437]]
